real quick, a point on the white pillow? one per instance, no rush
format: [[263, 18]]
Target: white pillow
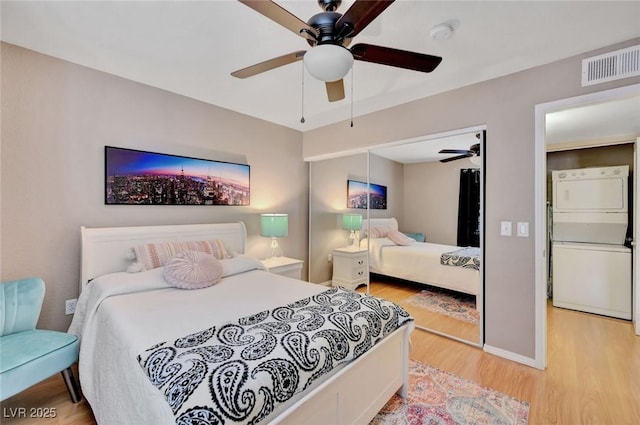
[[240, 264], [400, 238], [193, 270], [377, 232]]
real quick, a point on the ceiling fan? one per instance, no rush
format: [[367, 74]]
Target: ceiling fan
[[329, 33], [474, 150]]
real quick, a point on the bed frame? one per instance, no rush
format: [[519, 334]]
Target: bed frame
[[351, 396], [109, 249]]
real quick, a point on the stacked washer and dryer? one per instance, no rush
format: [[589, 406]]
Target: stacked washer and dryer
[[591, 266]]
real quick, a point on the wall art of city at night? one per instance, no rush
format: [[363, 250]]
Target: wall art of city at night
[[134, 177]]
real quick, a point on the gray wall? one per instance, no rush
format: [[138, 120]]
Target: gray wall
[[56, 119], [431, 199], [506, 106], [327, 201]]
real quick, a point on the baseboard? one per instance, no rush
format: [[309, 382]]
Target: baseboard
[[518, 358]]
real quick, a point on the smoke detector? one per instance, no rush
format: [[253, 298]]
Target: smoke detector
[[441, 32]]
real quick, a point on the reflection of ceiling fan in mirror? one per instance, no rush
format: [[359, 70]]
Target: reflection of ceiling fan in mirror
[[473, 151], [329, 33]]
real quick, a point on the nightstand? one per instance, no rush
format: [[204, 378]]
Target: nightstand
[[350, 268], [284, 266]]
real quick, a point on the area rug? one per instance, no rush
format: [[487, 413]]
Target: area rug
[[452, 304], [439, 397]]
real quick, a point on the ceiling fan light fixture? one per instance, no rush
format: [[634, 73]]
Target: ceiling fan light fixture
[[328, 62]]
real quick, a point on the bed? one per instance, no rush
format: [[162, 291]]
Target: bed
[[444, 266], [125, 320]]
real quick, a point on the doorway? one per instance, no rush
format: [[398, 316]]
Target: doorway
[[594, 132]]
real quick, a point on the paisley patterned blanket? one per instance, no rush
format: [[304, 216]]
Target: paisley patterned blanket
[[241, 371], [466, 257]]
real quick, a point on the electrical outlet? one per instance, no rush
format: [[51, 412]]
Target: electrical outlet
[[70, 306]]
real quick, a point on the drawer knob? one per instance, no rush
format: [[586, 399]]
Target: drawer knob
[[361, 262]]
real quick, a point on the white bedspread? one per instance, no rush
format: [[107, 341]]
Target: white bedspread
[[121, 314], [420, 262]]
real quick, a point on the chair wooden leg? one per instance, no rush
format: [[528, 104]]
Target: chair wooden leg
[[72, 385]]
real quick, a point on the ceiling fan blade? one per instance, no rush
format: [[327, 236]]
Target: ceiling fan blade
[[458, 151], [453, 158], [268, 65], [281, 16], [335, 90], [394, 57], [359, 15]]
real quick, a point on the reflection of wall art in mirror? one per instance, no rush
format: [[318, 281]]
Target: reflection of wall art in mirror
[[357, 195], [136, 177]]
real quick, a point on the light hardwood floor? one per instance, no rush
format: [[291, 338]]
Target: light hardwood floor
[[593, 375], [398, 291]]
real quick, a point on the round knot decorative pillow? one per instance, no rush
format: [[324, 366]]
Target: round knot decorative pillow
[[193, 270]]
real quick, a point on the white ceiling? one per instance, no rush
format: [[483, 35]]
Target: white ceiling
[[602, 121], [427, 150], [190, 47]]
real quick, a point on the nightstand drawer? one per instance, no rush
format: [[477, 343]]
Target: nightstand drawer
[[357, 273]]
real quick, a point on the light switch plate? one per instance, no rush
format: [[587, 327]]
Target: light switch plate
[[523, 229], [505, 228]]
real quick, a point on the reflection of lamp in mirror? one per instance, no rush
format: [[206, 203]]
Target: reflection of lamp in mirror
[[274, 226], [352, 222]]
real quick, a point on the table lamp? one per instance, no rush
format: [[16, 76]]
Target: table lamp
[[352, 222], [274, 226]]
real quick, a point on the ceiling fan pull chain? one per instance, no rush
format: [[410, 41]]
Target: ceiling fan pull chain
[[302, 107], [352, 68]]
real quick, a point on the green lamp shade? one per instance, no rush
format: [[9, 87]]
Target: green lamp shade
[[351, 221], [274, 225]]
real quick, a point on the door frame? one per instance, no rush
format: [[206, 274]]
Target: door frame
[[636, 236], [540, 193]]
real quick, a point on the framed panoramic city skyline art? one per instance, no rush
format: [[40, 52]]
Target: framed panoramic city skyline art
[[134, 177], [359, 192]]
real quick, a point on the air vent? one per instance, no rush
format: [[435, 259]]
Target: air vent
[[611, 66]]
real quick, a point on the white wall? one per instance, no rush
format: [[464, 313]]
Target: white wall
[[56, 119]]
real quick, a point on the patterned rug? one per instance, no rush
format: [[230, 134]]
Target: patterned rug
[[453, 304], [439, 397]]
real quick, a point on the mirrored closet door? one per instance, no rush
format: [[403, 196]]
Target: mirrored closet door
[[436, 185], [335, 221], [417, 190]]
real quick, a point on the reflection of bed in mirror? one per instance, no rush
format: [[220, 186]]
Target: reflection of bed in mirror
[[422, 262]]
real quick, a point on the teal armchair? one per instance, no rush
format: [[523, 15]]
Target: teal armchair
[[29, 355]]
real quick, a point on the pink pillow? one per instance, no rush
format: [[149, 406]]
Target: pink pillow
[[193, 270], [400, 238], [153, 255]]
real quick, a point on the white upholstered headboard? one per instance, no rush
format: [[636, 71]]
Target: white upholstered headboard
[[109, 249], [391, 223]]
